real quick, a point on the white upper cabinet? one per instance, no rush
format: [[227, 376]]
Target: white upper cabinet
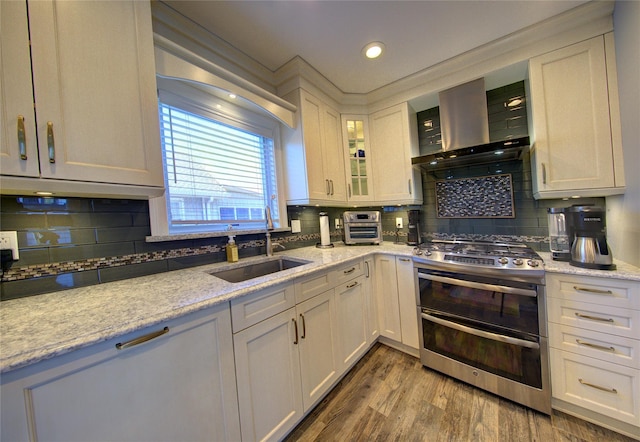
[[357, 153], [393, 144], [576, 138], [313, 153], [93, 76]]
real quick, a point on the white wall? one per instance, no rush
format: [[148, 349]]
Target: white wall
[[623, 211]]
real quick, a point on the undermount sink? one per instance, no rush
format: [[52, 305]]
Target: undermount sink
[[254, 270]]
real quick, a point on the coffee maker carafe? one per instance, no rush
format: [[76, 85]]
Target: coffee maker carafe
[[559, 234], [414, 236], [589, 248]]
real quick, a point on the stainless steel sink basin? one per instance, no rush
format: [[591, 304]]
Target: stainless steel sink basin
[[254, 270]]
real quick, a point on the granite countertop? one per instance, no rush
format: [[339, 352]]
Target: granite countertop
[[43, 326]]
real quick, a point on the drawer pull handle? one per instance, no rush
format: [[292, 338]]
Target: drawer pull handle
[[352, 285], [304, 326], [405, 259], [599, 292], [544, 173], [295, 325], [22, 140], [51, 145], [598, 387], [596, 346], [141, 339], [594, 318], [366, 263], [351, 270]]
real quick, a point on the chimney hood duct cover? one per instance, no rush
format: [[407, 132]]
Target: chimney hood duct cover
[[464, 118], [464, 124]]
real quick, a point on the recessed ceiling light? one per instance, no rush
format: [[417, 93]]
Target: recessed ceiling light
[[373, 49]]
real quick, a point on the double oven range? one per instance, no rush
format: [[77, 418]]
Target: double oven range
[[482, 317]]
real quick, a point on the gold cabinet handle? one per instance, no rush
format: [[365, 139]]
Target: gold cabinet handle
[[544, 174], [22, 138], [331, 181], [352, 285], [326, 182], [594, 318], [141, 339], [598, 387], [51, 145], [596, 346], [295, 325], [349, 189], [304, 326], [410, 191], [405, 259], [596, 291], [366, 264], [351, 270]]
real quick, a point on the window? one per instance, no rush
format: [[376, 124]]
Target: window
[[219, 169]]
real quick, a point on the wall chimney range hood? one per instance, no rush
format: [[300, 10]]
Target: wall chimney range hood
[[464, 123]]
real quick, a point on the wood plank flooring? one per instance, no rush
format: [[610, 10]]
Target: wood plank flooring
[[390, 396]]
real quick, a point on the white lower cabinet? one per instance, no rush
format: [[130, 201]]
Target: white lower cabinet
[[286, 363], [351, 315], [594, 339], [396, 296], [373, 328], [180, 385], [268, 372]]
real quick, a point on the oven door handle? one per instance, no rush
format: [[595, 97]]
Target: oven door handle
[[479, 285], [481, 333]]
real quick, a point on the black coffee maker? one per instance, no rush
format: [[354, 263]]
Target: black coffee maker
[[414, 236], [589, 248]]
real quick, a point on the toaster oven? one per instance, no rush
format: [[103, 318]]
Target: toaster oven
[[363, 227]]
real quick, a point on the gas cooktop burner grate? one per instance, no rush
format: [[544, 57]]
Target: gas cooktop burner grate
[[487, 254]]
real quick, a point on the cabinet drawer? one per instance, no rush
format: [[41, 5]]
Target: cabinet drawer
[[603, 346], [608, 389], [349, 271], [604, 291], [309, 286], [251, 309], [612, 320]]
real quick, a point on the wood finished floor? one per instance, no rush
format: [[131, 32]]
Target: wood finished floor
[[389, 396]]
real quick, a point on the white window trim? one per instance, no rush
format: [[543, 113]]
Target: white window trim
[[190, 95]]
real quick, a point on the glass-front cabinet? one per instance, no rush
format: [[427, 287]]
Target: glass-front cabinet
[[358, 160]]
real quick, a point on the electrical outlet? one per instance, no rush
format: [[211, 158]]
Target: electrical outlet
[[9, 240], [399, 223], [337, 223]]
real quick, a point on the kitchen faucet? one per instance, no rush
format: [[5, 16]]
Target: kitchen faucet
[[269, 244]]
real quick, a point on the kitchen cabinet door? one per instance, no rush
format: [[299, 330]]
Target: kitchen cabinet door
[[93, 75], [313, 153], [180, 385], [393, 144], [387, 297], [576, 148], [408, 302], [319, 363], [357, 153], [268, 372], [18, 148], [351, 306], [373, 329]]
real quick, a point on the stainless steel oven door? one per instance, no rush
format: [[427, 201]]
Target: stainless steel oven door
[[504, 353], [363, 233], [491, 301]]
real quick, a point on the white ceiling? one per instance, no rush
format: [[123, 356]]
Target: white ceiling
[[330, 35]]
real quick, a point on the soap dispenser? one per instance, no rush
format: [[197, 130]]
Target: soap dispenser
[[232, 250]]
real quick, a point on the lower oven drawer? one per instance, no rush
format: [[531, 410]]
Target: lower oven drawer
[[513, 356], [608, 389]]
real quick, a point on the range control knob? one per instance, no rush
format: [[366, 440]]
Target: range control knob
[[427, 253], [518, 261], [503, 260], [533, 263]]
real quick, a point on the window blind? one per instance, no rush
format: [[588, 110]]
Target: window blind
[[215, 174]]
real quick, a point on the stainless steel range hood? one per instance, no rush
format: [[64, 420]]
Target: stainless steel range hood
[[464, 123]]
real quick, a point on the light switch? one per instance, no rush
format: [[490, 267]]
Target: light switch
[[295, 226], [399, 222]]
